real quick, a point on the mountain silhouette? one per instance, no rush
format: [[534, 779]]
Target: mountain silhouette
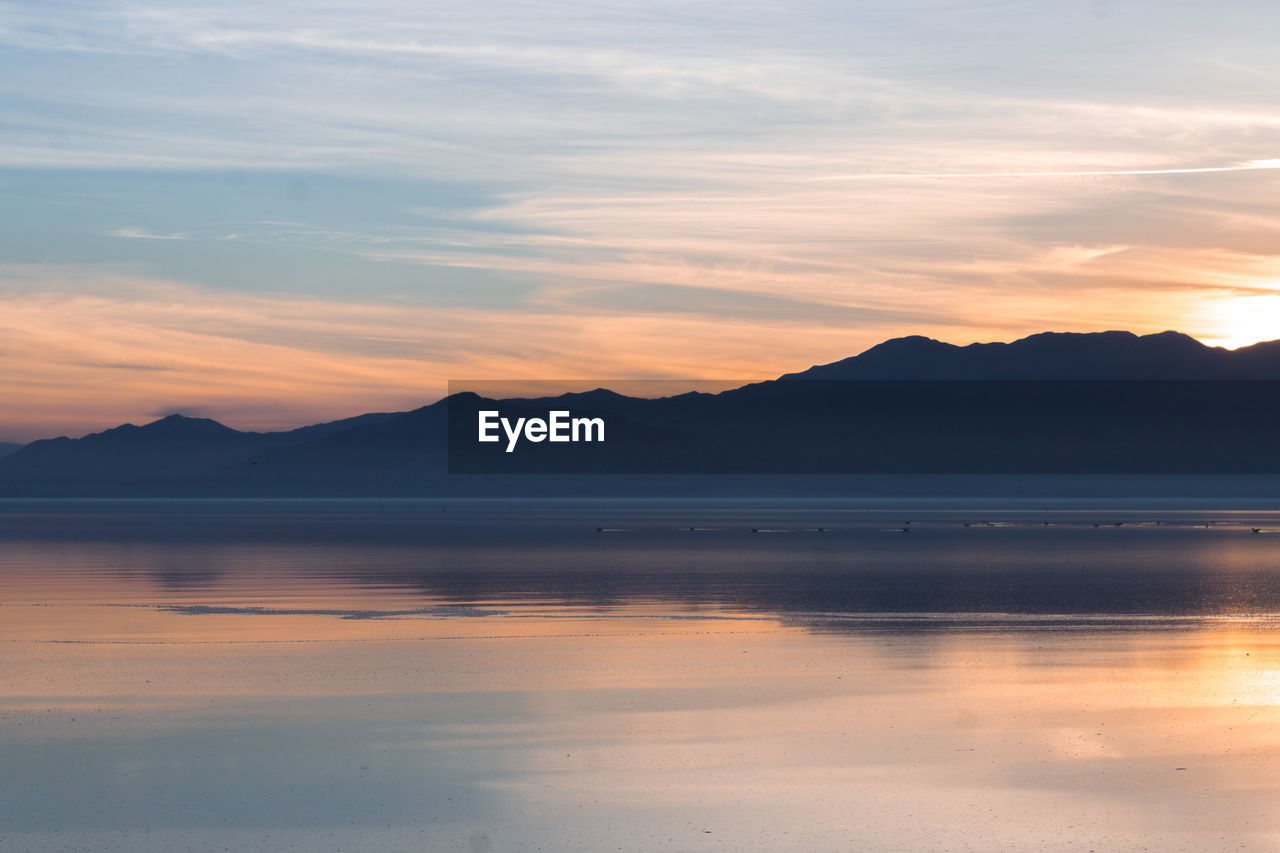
[[1053, 403], [394, 454], [128, 458], [1057, 355]]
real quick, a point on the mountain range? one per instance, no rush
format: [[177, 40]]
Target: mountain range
[[1057, 355], [1052, 403]]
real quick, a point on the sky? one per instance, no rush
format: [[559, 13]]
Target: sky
[[280, 213]]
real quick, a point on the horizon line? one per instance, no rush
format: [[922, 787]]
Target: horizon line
[[180, 414]]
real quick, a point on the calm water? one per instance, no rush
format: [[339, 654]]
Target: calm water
[[425, 676]]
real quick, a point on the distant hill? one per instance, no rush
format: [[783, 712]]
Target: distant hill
[[1109, 403], [402, 453], [173, 452], [1057, 355], [6, 448]]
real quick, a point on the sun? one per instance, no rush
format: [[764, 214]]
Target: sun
[[1237, 321]]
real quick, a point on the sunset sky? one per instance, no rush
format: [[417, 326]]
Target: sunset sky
[[274, 213]]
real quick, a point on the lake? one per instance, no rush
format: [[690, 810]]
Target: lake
[[485, 676]]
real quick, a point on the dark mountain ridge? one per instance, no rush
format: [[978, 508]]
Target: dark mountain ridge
[[1057, 355], [968, 409], [165, 450]]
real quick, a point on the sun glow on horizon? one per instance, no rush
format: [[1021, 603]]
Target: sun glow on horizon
[[1239, 321]]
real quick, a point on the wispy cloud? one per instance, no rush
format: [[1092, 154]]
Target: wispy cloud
[[534, 187], [1250, 166], [277, 361], [142, 234]]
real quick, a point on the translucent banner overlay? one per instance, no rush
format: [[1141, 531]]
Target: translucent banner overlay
[[863, 427]]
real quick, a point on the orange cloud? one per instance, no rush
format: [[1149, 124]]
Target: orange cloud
[[83, 355]]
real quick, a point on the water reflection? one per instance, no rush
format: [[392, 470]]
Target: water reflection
[[359, 682], [340, 557]]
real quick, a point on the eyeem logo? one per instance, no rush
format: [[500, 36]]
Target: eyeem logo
[[558, 426]]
